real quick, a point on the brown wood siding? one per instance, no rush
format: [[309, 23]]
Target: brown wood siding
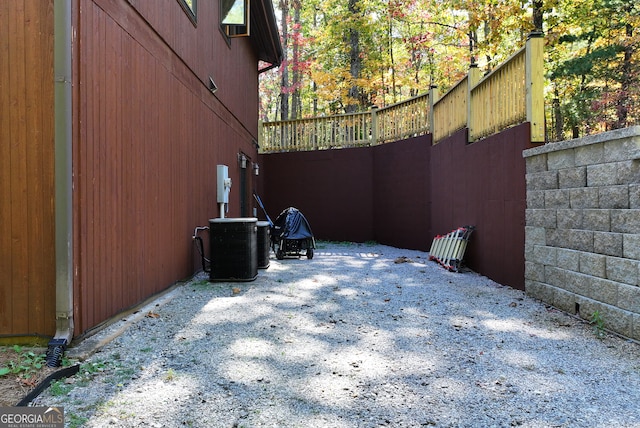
[[233, 65], [27, 262], [148, 137]]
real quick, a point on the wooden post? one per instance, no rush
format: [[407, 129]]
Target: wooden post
[[474, 77], [433, 97], [374, 125], [535, 86]]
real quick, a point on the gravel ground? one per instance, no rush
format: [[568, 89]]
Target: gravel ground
[[360, 336]]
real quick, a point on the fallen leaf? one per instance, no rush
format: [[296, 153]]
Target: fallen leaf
[[152, 315], [28, 382]]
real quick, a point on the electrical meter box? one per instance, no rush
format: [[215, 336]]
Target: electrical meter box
[[223, 184]]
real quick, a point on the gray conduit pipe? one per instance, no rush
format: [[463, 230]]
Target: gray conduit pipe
[[62, 45]]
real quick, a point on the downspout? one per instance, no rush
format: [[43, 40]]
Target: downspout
[[62, 44]]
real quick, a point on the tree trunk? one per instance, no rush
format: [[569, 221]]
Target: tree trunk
[[473, 46], [392, 59], [284, 80], [557, 117], [355, 61], [538, 16], [627, 79], [296, 100], [487, 33]]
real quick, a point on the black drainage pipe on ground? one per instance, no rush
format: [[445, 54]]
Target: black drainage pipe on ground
[[55, 351], [66, 372]]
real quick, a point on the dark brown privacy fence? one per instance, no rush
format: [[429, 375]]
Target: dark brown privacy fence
[[404, 193]]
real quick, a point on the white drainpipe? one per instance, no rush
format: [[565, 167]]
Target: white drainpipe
[[63, 181]]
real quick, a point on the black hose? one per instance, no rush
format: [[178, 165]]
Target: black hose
[[200, 247]]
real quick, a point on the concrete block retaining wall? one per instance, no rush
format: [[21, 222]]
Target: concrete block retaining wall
[[582, 233]]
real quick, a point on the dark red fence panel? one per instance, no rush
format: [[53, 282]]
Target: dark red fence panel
[[332, 188], [401, 182], [483, 185], [404, 193]]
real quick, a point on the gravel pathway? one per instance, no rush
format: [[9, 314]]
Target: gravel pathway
[[360, 336]]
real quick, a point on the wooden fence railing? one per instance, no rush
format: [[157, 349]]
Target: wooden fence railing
[[402, 120], [511, 94], [318, 133], [450, 111]]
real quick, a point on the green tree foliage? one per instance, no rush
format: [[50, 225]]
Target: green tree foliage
[[593, 66], [430, 47], [349, 55]]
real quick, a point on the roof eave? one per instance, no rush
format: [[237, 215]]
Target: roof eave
[[265, 35]]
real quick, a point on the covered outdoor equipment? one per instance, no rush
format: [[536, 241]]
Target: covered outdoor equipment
[[291, 234]]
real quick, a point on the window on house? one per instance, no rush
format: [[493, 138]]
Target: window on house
[[234, 17], [190, 7]]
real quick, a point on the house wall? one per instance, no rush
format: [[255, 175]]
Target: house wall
[[148, 136], [196, 52], [405, 193], [27, 233], [582, 221]]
